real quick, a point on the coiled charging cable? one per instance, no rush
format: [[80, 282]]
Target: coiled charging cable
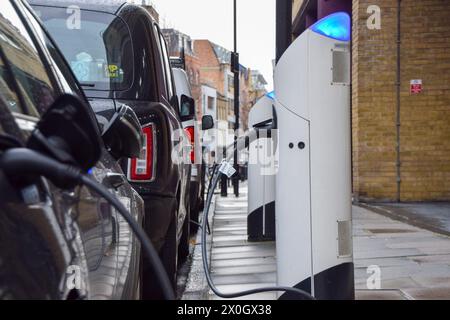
[[303, 295]]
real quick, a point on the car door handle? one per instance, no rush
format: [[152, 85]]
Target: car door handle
[[114, 180]]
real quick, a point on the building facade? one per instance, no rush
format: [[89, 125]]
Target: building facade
[[181, 45], [400, 95], [208, 66], [216, 72]]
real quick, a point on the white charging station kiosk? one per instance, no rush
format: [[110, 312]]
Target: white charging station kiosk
[[313, 183], [261, 173]]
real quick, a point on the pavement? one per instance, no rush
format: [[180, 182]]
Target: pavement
[[411, 259], [235, 263], [432, 216], [414, 263]]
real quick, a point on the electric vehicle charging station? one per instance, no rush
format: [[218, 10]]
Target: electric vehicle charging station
[[261, 173], [313, 183]]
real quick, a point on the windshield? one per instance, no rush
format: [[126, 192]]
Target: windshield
[[97, 46]]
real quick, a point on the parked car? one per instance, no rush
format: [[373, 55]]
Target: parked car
[[119, 55], [57, 243], [190, 123]]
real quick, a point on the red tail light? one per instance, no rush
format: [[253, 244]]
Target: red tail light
[[142, 169], [191, 133]]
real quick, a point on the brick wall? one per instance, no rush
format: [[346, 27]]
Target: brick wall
[[193, 66], [211, 73], [153, 12], [245, 102], [296, 5], [424, 118], [210, 68]]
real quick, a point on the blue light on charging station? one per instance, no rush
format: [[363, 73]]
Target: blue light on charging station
[[336, 26], [271, 95]]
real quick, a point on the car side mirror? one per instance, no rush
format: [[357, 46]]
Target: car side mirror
[[69, 133], [123, 135], [207, 122], [187, 108]]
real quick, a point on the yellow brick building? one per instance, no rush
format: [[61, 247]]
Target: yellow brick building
[[401, 141]]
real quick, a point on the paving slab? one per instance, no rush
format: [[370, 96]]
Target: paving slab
[[244, 262], [432, 216], [245, 278], [412, 260], [234, 288], [379, 295], [248, 269], [433, 293]]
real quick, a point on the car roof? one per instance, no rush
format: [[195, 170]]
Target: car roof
[[109, 6]]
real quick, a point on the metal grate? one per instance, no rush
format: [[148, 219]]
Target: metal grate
[[345, 238], [341, 67]]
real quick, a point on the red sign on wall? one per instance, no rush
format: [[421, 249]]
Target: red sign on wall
[[416, 86]]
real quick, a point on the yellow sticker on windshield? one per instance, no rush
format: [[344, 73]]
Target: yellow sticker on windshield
[[113, 71]]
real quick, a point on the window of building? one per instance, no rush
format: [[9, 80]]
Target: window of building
[[210, 103], [191, 76], [230, 83]]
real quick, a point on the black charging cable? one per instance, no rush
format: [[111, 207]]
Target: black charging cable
[[297, 292], [22, 162]]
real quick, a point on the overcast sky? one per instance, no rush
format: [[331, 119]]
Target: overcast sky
[[213, 20]]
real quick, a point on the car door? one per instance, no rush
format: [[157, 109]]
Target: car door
[[39, 84], [35, 250]]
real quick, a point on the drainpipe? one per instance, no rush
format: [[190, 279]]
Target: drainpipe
[[398, 84]]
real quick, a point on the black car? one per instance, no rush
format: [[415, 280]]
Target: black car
[[57, 243], [119, 55]]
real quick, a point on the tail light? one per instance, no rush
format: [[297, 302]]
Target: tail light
[[142, 169], [191, 133]]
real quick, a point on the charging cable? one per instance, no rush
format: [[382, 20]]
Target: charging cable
[[213, 184], [21, 162]]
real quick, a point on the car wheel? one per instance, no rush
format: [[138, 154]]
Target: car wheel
[[169, 253], [183, 249]]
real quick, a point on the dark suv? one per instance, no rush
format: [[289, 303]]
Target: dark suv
[[119, 55], [57, 243]]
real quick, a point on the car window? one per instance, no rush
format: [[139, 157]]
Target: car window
[[158, 44], [167, 67], [59, 65], [97, 46], [25, 63]]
